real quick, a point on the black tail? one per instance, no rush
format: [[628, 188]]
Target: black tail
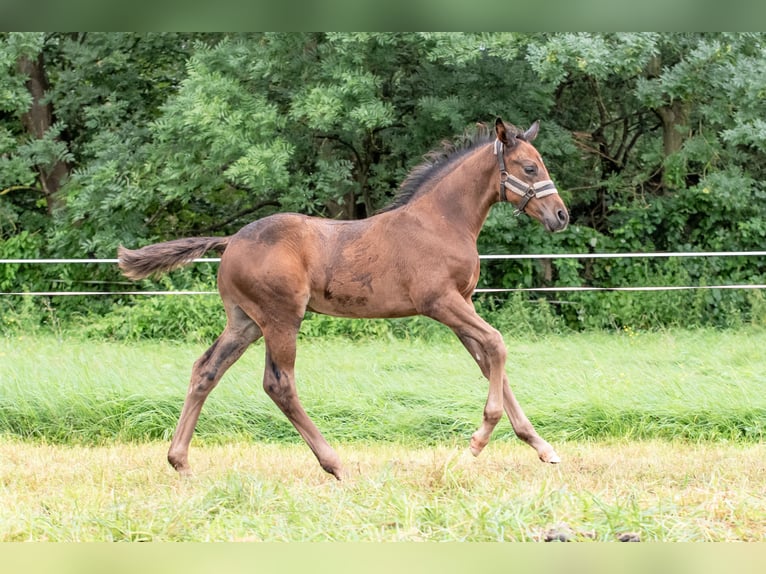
[[162, 257]]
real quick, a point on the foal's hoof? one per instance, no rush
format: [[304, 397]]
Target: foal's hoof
[[342, 474], [184, 471], [180, 465], [550, 457], [477, 446], [338, 471]]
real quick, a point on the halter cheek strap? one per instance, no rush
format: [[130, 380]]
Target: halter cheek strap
[[526, 191]]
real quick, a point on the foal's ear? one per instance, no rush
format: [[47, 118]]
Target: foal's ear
[[502, 133], [531, 133]]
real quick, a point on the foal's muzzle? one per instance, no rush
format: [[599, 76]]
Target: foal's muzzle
[[557, 221]]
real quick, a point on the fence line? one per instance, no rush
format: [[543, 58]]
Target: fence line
[[89, 293], [645, 288], [659, 254], [483, 290]]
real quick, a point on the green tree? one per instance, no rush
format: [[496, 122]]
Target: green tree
[[32, 157], [656, 141]]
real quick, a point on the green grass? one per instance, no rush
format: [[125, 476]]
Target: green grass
[[694, 385], [652, 490], [84, 428]]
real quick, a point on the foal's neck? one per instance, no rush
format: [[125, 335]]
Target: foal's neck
[[464, 196]]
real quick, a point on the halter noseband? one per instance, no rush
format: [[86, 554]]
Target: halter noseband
[[526, 191]]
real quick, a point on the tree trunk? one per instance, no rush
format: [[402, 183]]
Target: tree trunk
[[37, 121], [674, 117], [674, 132]]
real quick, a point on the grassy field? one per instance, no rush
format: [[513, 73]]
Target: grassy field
[[698, 385], [661, 436], [652, 491]]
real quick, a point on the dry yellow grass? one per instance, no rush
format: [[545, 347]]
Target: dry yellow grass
[[252, 492]]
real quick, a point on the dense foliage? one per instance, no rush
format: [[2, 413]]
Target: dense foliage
[[658, 141]]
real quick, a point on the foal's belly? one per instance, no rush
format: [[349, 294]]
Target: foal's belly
[[360, 304]]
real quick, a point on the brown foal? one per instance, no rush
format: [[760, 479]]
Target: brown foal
[[416, 257]]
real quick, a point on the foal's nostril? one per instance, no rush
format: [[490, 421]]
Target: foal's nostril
[[562, 215]]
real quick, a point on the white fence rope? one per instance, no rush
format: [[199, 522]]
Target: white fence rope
[[500, 256], [484, 290], [650, 288], [628, 255], [89, 293]]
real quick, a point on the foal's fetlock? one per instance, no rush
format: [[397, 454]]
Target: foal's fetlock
[[477, 444]]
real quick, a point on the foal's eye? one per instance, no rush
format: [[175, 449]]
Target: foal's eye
[[530, 169]]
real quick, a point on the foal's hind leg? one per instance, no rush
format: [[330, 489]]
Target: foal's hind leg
[[239, 333], [279, 384]]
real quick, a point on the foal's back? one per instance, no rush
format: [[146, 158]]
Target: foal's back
[[360, 268]]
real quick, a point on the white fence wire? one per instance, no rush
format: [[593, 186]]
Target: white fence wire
[[483, 290]]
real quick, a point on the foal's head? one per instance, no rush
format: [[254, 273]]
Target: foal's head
[[525, 180]]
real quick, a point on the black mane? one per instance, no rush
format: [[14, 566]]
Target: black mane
[[439, 160]]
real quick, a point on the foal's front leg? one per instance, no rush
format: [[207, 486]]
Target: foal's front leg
[[524, 429], [486, 346]]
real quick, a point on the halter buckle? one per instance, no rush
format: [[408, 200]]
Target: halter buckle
[[530, 193]]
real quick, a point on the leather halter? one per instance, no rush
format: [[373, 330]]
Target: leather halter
[[526, 191]]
